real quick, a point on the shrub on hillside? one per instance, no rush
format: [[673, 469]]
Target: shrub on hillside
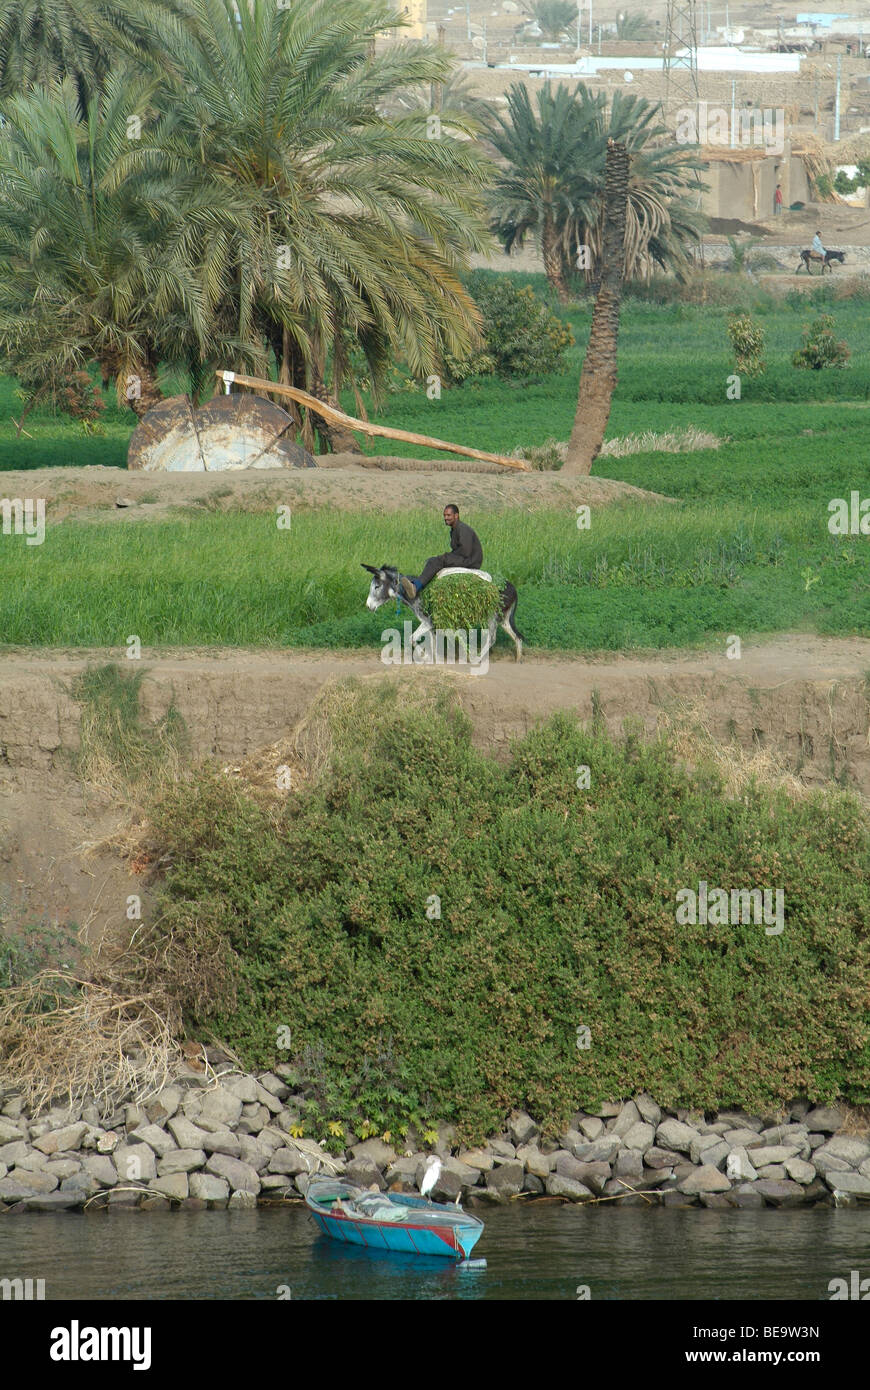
[[432, 927], [820, 347], [747, 342], [523, 338]]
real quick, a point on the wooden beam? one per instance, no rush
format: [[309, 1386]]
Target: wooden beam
[[338, 417]]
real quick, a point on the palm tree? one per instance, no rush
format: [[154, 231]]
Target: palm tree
[[553, 17], [540, 189], [552, 181], [633, 26], [93, 268], [598, 378], [332, 226], [46, 40]]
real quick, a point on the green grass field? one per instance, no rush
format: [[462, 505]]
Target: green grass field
[[746, 548]]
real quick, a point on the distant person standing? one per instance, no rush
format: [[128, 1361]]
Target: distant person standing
[[777, 200]]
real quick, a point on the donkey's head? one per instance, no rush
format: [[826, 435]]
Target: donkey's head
[[384, 585]]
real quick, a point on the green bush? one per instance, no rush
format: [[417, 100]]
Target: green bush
[[523, 338], [820, 348], [747, 341], [433, 927]]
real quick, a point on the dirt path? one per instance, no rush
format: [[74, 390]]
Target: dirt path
[[803, 700]]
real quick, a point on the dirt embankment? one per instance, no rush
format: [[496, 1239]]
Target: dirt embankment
[[796, 704], [344, 481]]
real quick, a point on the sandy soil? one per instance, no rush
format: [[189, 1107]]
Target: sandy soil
[[803, 701], [364, 484]]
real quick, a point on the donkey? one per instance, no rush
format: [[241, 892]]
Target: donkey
[[386, 584], [807, 256]]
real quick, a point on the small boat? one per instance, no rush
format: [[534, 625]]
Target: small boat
[[391, 1220]]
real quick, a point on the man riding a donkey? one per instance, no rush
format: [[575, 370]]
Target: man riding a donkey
[[465, 555], [817, 252]]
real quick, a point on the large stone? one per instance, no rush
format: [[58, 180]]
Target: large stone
[[253, 1152], [743, 1138], [591, 1127], [171, 1185], [506, 1180], [705, 1179], [63, 1167], [530, 1156], [54, 1201], [780, 1192], [254, 1118], [222, 1141], [640, 1136], [9, 1132], [738, 1119], [659, 1158], [607, 1110], [361, 1171], [186, 1134], [698, 1146], [846, 1146], [800, 1171], [739, 1166], [242, 1201], [466, 1175], [559, 1186], [502, 1150], [271, 1138], [240, 1176], [772, 1153], [180, 1161], [628, 1164], [627, 1118], [108, 1142], [275, 1086], [649, 1112], [828, 1163], [848, 1182], [522, 1128], [447, 1187], [155, 1137], [13, 1153], [164, 1105], [70, 1137], [671, 1134], [243, 1087], [772, 1170], [825, 1119], [747, 1199], [603, 1150], [21, 1183], [567, 1166], [376, 1151], [593, 1175], [481, 1159], [101, 1168], [221, 1107], [288, 1161], [717, 1154], [268, 1102], [135, 1163], [209, 1188]]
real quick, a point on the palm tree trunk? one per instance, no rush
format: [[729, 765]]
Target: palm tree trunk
[[551, 251], [598, 378]]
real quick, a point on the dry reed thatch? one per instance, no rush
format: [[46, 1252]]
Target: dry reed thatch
[[686, 725], [70, 1038]]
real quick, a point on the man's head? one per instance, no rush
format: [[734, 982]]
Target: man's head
[[451, 514]]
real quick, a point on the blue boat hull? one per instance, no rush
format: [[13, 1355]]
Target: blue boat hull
[[456, 1244], [419, 1227]]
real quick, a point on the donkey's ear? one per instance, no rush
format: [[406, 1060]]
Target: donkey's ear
[[371, 569]]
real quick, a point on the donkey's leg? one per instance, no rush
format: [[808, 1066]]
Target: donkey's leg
[[508, 626]]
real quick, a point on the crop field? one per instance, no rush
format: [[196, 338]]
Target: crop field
[[744, 548]]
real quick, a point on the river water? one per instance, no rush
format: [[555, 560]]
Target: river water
[[541, 1251]]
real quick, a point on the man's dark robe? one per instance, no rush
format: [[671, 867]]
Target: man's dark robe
[[465, 552]]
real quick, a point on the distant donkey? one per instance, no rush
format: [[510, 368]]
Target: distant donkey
[[386, 585], [806, 257]]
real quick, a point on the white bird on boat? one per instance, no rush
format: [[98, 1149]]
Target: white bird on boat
[[431, 1174]]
